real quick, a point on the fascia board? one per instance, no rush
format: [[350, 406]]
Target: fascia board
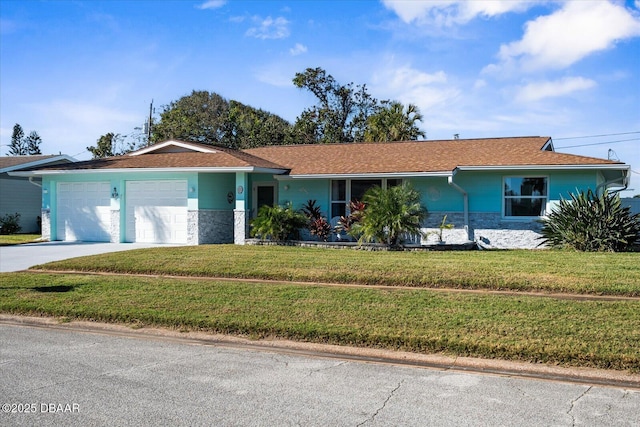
[[365, 175], [161, 145], [543, 167], [164, 170]]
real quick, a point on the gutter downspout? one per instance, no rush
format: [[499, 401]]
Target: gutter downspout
[[465, 197], [34, 183], [605, 185]]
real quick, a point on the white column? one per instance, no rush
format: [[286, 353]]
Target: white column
[[240, 211]]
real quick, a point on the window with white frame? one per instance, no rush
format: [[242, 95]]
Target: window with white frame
[[525, 196], [345, 190]]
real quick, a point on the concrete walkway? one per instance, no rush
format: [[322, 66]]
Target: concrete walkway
[[21, 257]]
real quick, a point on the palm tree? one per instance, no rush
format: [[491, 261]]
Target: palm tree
[[394, 123], [390, 214]]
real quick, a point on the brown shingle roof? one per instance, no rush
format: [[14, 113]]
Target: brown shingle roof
[[32, 162], [222, 158], [9, 161], [355, 158], [418, 156]]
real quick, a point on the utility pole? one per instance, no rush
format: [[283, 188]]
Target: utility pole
[[149, 123]]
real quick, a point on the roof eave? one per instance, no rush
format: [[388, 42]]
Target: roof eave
[[364, 175], [164, 170], [39, 163], [620, 167]]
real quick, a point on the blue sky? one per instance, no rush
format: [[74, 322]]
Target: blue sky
[[75, 70]]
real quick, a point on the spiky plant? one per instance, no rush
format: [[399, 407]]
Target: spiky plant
[[317, 224], [350, 224], [588, 222], [391, 214]]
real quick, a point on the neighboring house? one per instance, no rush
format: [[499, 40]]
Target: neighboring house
[[633, 203], [493, 189], [23, 195]]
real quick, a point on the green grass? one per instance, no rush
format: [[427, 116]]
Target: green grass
[[538, 271], [603, 334], [16, 239]]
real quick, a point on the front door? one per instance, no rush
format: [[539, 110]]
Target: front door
[[264, 193]]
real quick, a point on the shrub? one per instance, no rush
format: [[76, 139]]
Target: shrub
[[10, 224], [277, 223], [391, 214], [317, 224], [589, 222], [350, 224]]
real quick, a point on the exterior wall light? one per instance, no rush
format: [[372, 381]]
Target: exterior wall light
[[114, 194]]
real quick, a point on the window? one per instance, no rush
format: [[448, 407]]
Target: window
[[345, 190], [360, 186], [394, 182], [525, 196], [338, 197]]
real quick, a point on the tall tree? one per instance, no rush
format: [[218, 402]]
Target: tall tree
[[199, 117], [32, 143], [211, 119], [249, 127], [104, 146], [113, 144], [18, 146], [341, 112], [394, 122]]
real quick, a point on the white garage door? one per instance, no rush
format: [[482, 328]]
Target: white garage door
[[84, 211], [156, 211]]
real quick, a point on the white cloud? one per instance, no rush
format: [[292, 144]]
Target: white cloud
[[279, 74], [269, 28], [449, 12], [64, 123], [549, 89], [298, 49], [479, 84], [562, 38], [409, 85], [212, 4], [83, 113]]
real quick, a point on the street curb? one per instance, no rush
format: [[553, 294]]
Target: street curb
[[587, 376]]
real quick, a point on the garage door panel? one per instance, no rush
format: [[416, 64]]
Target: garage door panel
[[84, 211], [156, 211]]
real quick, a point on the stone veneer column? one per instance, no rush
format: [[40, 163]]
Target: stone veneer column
[[46, 224], [193, 228], [115, 226], [239, 226]]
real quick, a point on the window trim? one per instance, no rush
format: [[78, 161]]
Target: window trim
[[503, 197]]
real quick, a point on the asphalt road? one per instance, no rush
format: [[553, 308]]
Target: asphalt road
[[71, 378]]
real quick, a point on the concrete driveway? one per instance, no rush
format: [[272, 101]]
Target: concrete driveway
[[21, 257]]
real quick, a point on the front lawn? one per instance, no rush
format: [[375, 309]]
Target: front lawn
[[16, 239], [603, 334], [539, 271]]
